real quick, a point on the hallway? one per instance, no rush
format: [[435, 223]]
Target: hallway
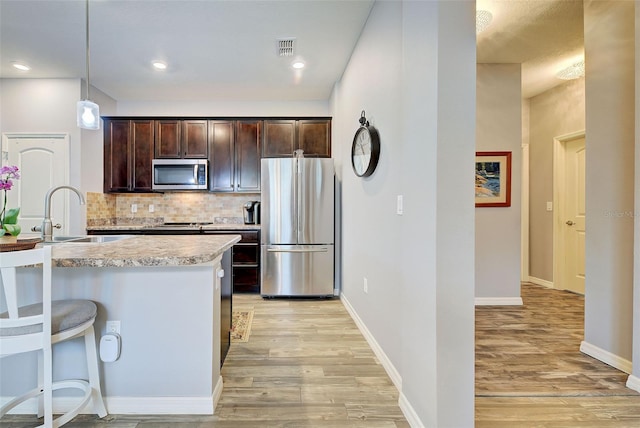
[[530, 372]]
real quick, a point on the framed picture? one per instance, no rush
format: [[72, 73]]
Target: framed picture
[[493, 179]]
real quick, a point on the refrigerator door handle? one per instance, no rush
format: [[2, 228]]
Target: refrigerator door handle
[[299, 250], [298, 204], [296, 199]]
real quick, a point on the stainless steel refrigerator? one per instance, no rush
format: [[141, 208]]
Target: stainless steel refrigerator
[[297, 221]]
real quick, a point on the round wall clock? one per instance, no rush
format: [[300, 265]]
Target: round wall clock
[[365, 150]]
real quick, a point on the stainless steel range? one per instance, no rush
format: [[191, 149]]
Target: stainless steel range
[[180, 226]]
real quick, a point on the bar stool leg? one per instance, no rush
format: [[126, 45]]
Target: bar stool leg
[[94, 374]]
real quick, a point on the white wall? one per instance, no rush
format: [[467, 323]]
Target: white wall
[[92, 158], [371, 241], [223, 108], [49, 105], [635, 378], [556, 112], [609, 58], [413, 71], [499, 128]]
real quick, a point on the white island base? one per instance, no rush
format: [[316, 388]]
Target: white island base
[[170, 331]]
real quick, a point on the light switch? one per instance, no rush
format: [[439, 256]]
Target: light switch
[[549, 206], [134, 208], [399, 205]]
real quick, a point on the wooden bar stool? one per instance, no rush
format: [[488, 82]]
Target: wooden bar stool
[[37, 327]]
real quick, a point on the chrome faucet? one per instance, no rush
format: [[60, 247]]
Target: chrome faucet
[[47, 227]]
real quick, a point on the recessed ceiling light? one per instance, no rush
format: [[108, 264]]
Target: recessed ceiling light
[[298, 65], [159, 65], [20, 66]]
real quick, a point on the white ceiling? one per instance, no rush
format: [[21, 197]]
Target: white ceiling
[[215, 49], [227, 49], [544, 36]]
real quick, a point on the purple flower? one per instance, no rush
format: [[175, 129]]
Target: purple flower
[[7, 173], [9, 170]]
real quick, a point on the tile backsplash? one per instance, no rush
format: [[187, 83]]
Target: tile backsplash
[[151, 208]]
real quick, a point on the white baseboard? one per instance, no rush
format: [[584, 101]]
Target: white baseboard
[[382, 357], [538, 281], [217, 392], [132, 405], [633, 382], [606, 357], [498, 301], [409, 413], [405, 406], [161, 405]]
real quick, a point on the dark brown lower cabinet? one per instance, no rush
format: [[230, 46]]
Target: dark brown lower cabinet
[[226, 307], [246, 260]]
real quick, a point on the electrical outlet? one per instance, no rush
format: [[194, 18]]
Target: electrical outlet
[[134, 208], [151, 208], [366, 285], [113, 327]]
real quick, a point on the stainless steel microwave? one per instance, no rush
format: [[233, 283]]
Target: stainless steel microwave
[[180, 174]]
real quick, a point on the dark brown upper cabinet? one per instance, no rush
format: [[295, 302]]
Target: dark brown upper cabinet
[[283, 137], [128, 153], [177, 139], [234, 161], [279, 138], [314, 137]]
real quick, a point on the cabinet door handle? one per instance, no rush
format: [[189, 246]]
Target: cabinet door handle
[[569, 223]]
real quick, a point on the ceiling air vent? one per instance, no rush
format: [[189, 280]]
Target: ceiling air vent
[[286, 47]]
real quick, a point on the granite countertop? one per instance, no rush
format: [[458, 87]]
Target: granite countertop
[[143, 250], [215, 226], [231, 226]]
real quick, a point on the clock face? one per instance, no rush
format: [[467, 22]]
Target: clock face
[[362, 152], [365, 151]]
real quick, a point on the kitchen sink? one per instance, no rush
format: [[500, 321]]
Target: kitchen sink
[[88, 239]]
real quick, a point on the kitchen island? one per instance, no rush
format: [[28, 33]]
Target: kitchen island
[[165, 291]]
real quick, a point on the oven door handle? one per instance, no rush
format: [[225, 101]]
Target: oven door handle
[[298, 250]]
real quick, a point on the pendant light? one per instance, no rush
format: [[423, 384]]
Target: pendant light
[[88, 112]]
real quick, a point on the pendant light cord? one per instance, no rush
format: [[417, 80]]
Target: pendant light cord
[[87, 46]]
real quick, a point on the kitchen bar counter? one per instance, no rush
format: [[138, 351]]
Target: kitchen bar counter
[[144, 250], [165, 292], [246, 253]]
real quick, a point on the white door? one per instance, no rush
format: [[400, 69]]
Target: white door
[[573, 223], [43, 161]]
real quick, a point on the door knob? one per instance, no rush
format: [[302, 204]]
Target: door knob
[[569, 223]]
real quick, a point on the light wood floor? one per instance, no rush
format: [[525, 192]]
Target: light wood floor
[[530, 371], [307, 365]]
